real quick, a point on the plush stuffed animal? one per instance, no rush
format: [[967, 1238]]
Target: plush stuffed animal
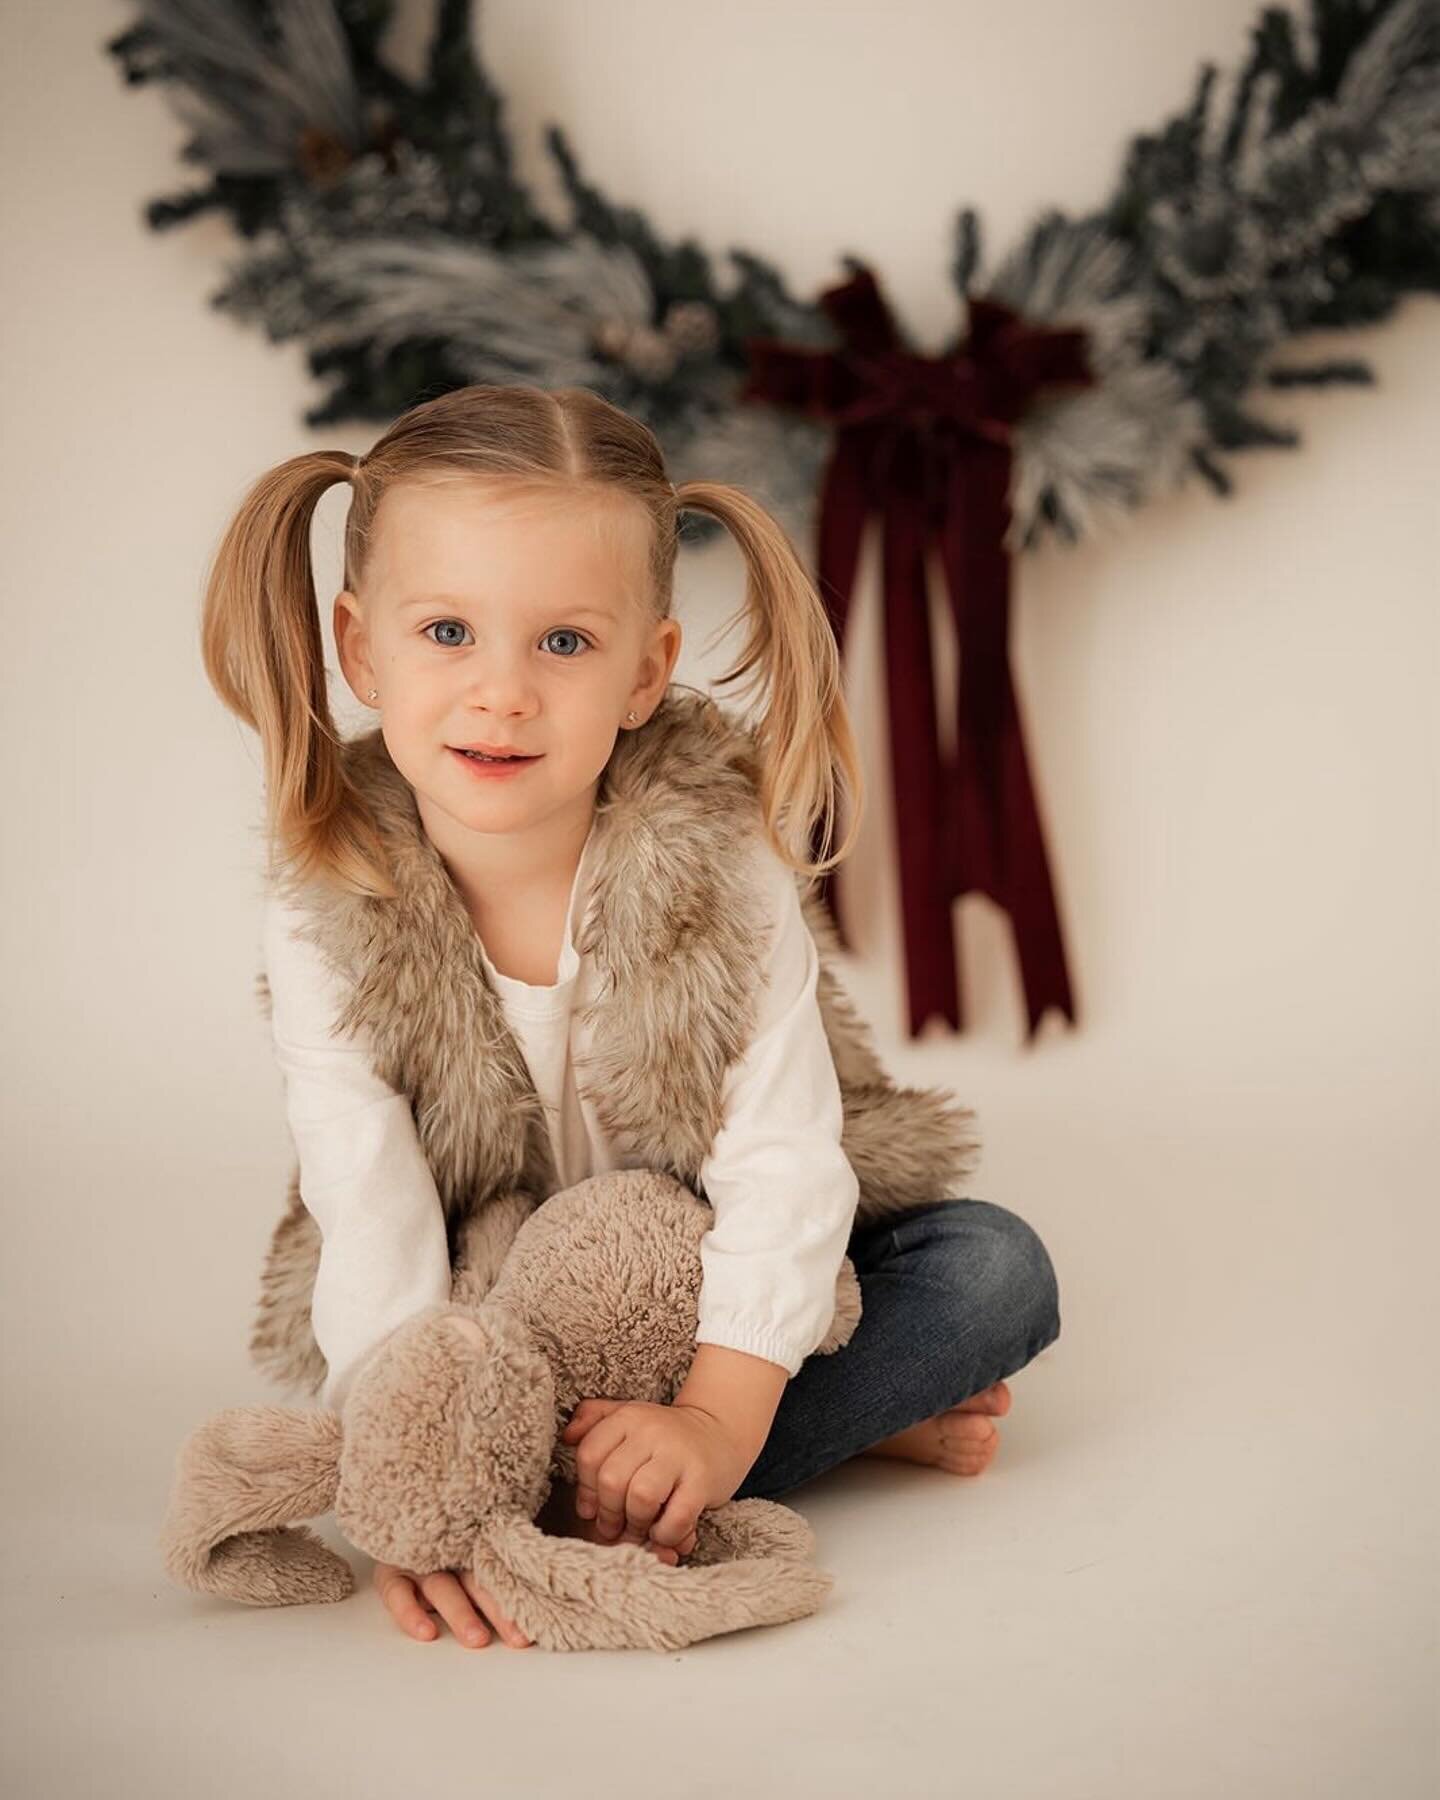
[[448, 1440]]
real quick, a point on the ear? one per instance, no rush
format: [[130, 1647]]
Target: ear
[[750, 1567], [239, 1479], [352, 644], [662, 652]]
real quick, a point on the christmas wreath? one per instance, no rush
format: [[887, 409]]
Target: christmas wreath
[[1104, 360]]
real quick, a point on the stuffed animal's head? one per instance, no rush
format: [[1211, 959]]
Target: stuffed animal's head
[[451, 1427]]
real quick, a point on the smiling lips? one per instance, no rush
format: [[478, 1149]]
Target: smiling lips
[[478, 766]]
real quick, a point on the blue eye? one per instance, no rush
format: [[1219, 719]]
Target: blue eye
[[555, 631], [568, 631]]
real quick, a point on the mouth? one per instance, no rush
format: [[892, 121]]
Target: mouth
[[495, 755], [481, 764]]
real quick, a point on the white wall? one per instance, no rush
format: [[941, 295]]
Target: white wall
[[1200, 1564], [1229, 705]]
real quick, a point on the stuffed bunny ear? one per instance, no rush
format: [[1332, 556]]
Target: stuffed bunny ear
[[569, 1594], [239, 1479]]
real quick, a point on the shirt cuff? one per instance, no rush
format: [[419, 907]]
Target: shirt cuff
[[733, 1331]]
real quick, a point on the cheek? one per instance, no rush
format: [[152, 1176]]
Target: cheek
[[418, 674]]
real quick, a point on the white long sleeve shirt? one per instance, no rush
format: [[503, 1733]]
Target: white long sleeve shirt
[[782, 1190]]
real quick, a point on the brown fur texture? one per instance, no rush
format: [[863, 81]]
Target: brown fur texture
[[449, 1440], [674, 927]]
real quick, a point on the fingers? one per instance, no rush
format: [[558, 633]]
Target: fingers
[[630, 1487], [450, 1593], [452, 1603], [604, 1464], [671, 1554], [502, 1621], [649, 1490], [676, 1522], [397, 1590], [625, 1488], [587, 1413]]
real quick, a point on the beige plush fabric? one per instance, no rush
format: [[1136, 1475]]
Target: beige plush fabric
[[449, 1440]]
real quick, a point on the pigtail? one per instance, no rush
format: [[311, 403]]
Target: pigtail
[[264, 654], [808, 752]]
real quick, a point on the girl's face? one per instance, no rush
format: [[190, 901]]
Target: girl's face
[[504, 619]]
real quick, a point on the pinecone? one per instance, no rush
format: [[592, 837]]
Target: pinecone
[[321, 156], [691, 327]]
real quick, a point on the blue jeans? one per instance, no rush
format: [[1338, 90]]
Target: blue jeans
[[954, 1296]]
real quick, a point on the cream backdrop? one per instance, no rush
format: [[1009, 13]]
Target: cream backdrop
[[1208, 1529]]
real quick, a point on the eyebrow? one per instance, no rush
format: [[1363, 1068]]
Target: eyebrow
[[417, 601]]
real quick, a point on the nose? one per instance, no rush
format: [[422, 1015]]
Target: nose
[[502, 686]]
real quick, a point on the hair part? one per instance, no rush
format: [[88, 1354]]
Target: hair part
[[264, 654]]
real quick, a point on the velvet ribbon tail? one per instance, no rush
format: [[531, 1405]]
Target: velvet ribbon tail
[[993, 830], [970, 827]]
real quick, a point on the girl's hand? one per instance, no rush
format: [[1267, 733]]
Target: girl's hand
[[648, 1469], [448, 1592]]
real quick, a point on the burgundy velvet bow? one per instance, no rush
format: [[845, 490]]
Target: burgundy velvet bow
[[925, 441]]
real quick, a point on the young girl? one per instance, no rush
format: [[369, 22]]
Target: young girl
[[554, 916]]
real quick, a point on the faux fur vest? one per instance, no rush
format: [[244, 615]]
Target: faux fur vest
[[675, 930]]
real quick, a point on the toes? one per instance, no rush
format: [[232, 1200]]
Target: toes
[[966, 1450], [967, 1431], [966, 1465]]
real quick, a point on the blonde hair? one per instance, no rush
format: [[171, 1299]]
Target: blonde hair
[[264, 654]]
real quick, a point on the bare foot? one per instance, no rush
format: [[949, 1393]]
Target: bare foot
[[558, 1518], [961, 1440]]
